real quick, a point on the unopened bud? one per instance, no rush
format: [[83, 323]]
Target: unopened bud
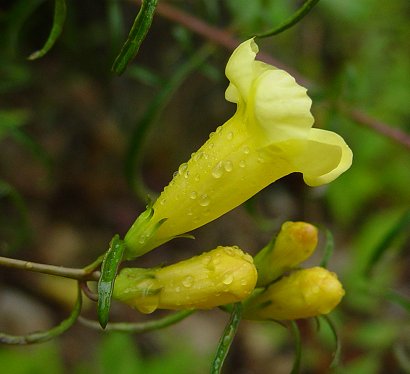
[[302, 294], [222, 276]]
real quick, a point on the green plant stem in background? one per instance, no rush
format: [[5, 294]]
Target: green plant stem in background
[[73, 273], [294, 19], [43, 336], [137, 34], [385, 244], [329, 248], [134, 152], [226, 339], [294, 328], [60, 11], [140, 327]]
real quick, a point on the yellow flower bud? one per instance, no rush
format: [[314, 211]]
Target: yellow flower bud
[[295, 243], [303, 294], [222, 276], [269, 137]]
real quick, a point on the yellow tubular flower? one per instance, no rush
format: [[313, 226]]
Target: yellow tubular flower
[[295, 243], [303, 294], [269, 136], [222, 276]]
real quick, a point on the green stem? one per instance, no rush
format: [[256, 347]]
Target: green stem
[[73, 273], [43, 336], [298, 347], [136, 36], [226, 339], [139, 328], [295, 18]]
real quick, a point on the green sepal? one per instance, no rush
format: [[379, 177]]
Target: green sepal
[[109, 268], [138, 238]]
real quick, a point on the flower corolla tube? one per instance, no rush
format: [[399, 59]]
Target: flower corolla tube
[[269, 136], [222, 276]]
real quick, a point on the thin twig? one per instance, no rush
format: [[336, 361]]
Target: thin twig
[[139, 327], [380, 127], [227, 40], [73, 273]]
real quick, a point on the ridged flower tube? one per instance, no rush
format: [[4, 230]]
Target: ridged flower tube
[[269, 136], [302, 294], [222, 276], [295, 242]]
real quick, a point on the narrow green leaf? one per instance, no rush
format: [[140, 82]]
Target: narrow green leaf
[[294, 328], [338, 347], [398, 299], [294, 19], [138, 328], [109, 268], [226, 339], [329, 248], [43, 336], [137, 34], [400, 227], [60, 11]]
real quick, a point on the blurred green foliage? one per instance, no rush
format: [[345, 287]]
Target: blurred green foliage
[[69, 128]]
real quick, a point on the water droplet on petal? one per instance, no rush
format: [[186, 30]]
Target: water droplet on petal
[[193, 195], [246, 149], [229, 135], [228, 279], [228, 166], [219, 129], [204, 200], [198, 155], [175, 174], [182, 168], [177, 289], [218, 170], [188, 281], [242, 163]]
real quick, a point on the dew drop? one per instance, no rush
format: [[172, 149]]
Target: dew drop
[[211, 145], [204, 200], [177, 289], [29, 265], [197, 178], [246, 150], [244, 282], [188, 281], [198, 155], [182, 168], [175, 174], [228, 166], [148, 307], [219, 129], [186, 174], [206, 260], [229, 135], [218, 170], [242, 163], [193, 195], [228, 279]]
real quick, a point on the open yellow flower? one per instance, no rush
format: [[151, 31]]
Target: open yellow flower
[[222, 276], [269, 136], [302, 294]]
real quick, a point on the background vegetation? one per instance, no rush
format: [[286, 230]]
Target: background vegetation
[[81, 147]]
